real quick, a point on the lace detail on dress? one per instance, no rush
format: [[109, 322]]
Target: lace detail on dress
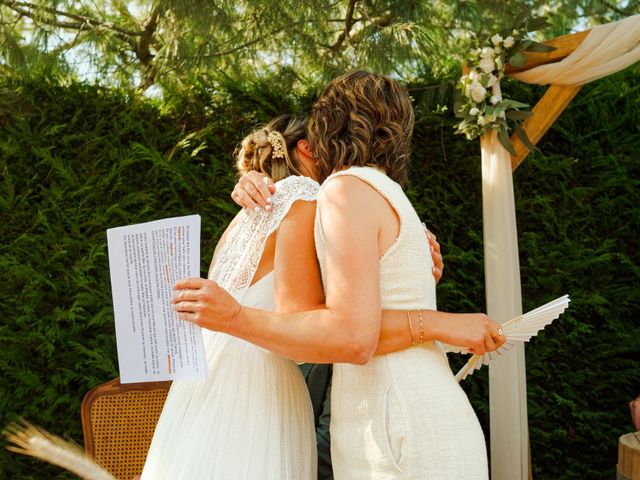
[[240, 255]]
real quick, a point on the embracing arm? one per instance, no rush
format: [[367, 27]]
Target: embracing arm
[[348, 329], [298, 282]]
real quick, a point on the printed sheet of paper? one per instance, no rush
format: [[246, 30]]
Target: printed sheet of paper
[[145, 261]]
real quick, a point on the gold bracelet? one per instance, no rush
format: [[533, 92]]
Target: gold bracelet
[[413, 340], [421, 327]]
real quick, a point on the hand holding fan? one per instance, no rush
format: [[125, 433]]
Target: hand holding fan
[[518, 330]]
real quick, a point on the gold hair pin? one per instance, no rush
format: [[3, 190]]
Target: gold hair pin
[[278, 143]]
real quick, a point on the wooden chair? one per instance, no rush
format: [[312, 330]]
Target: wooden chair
[[118, 421]]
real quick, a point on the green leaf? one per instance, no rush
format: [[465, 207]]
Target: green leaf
[[517, 60], [518, 115], [503, 138], [522, 135], [539, 47], [521, 18], [537, 23], [515, 104], [501, 122]]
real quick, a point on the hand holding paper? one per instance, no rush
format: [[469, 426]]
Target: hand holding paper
[[145, 261], [519, 329]]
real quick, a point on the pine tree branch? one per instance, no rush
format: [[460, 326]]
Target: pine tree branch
[[143, 51], [350, 10], [228, 51], [347, 25], [272, 33], [146, 39], [81, 21], [382, 21], [626, 12]]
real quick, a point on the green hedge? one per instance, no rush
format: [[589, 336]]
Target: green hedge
[[76, 160]]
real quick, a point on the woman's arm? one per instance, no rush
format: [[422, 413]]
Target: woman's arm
[[348, 329], [250, 190], [298, 283]]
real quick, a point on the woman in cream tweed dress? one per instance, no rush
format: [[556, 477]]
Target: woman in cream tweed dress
[[397, 415]]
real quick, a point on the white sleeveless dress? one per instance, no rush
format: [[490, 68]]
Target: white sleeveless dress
[[251, 418], [402, 415]]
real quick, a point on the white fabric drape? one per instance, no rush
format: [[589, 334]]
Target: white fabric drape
[[507, 381], [607, 49]]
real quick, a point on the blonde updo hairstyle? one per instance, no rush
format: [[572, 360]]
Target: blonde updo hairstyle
[[271, 148]]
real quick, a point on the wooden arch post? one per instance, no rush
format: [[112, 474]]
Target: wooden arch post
[[510, 450]]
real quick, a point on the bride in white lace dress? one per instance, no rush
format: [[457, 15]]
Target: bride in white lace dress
[[398, 415], [251, 417]]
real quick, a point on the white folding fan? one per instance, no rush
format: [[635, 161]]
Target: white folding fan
[[518, 330]]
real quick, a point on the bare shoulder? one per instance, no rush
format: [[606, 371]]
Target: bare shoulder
[[301, 212], [349, 190]]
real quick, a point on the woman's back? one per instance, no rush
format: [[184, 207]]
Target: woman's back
[[406, 281], [402, 415]]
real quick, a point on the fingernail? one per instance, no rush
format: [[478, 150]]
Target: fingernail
[[267, 207], [265, 180], [268, 199], [432, 249], [257, 209]]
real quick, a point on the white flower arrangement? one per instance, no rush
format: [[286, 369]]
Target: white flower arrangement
[[482, 107]]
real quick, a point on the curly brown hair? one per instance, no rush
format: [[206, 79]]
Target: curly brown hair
[[258, 152], [362, 119]]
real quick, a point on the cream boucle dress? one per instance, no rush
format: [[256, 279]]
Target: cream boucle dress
[[402, 415]]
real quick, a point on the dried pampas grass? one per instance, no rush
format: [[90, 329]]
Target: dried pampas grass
[[28, 439]]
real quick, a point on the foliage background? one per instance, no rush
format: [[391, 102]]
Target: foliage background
[[77, 159]]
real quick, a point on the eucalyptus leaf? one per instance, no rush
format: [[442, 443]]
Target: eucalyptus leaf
[[517, 59], [522, 135], [537, 23], [503, 138], [539, 47], [516, 104], [518, 115], [521, 18]]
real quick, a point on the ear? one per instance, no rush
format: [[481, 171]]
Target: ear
[[303, 148]]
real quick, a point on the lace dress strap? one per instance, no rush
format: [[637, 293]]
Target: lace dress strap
[[240, 255]]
